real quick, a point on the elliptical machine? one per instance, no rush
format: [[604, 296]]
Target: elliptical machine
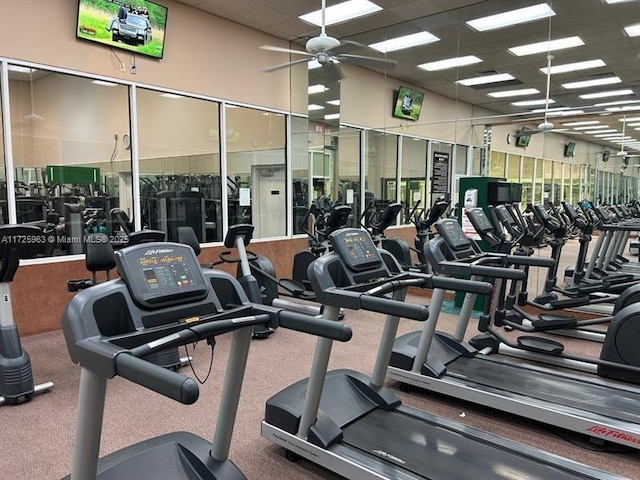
[[16, 376]]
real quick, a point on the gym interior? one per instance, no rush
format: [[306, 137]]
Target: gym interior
[[194, 126]]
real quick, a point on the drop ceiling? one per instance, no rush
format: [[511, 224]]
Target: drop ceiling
[[598, 24]]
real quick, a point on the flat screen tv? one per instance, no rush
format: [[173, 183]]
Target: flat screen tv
[[408, 104], [523, 138], [134, 25], [569, 149]]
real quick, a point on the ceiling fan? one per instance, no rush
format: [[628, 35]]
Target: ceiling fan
[[329, 52], [622, 152], [544, 126]]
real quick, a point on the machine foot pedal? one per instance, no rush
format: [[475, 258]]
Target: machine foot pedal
[[540, 345], [551, 322]]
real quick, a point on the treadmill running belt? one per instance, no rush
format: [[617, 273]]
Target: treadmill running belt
[[436, 452], [560, 390]]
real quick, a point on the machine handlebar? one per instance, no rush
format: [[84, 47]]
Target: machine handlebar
[[470, 286], [394, 307], [164, 381], [315, 326], [497, 272]]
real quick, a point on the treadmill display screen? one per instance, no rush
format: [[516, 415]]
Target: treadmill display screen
[[452, 233], [161, 274], [356, 249], [479, 220]]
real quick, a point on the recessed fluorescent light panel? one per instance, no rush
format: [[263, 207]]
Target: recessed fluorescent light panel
[[543, 47], [498, 77], [20, 69], [341, 13], [572, 67], [578, 124], [592, 83], [633, 30], [332, 116], [531, 103], [610, 2], [619, 102], [512, 17], [171, 95], [450, 63], [313, 106], [563, 113], [608, 130], [626, 108], [105, 83], [406, 41], [317, 89], [609, 93], [589, 127], [514, 93], [334, 102]]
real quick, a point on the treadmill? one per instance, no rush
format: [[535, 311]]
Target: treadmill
[[596, 408], [351, 424], [162, 300]]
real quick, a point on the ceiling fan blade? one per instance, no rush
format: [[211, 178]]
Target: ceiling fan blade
[[333, 71], [284, 65], [347, 46], [369, 62], [272, 48]]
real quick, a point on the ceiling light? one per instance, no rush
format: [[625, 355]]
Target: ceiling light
[[406, 41], [560, 130], [610, 2], [608, 130], [626, 108], [313, 106], [592, 83], [618, 102], [514, 93], [103, 83], [498, 77], [608, 93], [341, 13], [572, 67], [19, 69], [633, 30], [531, 103], [633, 124], [564, 113], [170, 95], [546, 46], [589, 127], [577, 124], [632, 119], [319, 88], [332, 116], [512, 17], [334, 102], [554, 109], [449, 63]]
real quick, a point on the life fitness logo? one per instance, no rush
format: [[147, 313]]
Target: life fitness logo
[[608, 433]]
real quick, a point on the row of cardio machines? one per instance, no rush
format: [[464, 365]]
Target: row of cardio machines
[[344, 420], [601, 407]]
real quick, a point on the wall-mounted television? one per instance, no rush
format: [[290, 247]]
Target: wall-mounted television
[[408, 103], [523, 138], [569, 149], [134, 25]]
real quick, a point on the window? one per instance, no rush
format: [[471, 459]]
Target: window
[[72, 165], [179, 152], [256, 173]]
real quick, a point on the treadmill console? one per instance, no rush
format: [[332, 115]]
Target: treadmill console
[[451, 231], [356, 249], [161, 274], [479, 220]]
